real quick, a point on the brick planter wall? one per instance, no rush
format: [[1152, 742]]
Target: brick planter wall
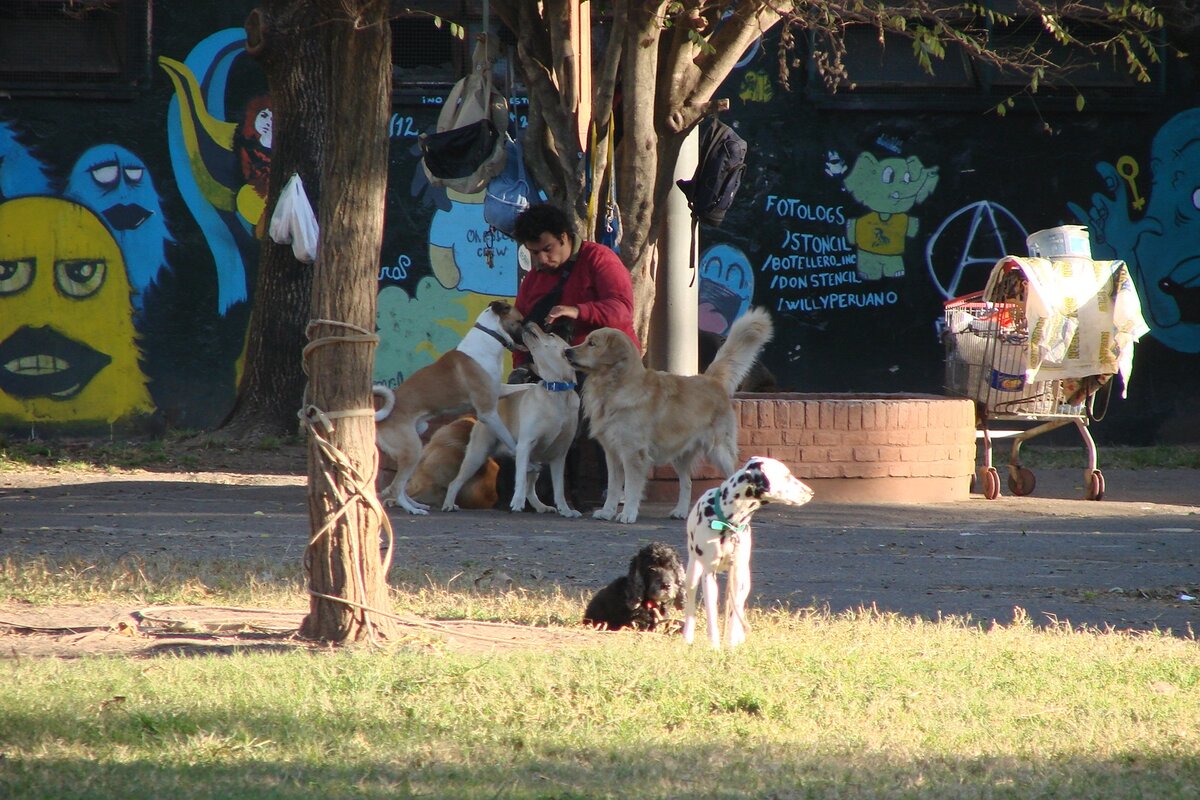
[[851, 447]]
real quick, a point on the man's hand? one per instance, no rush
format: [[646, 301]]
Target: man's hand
[[570, 312]]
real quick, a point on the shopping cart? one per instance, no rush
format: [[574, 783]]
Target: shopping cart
[[987, 355], [1036, 347]]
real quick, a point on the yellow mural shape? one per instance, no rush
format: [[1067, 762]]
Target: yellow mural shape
[[68, 348]]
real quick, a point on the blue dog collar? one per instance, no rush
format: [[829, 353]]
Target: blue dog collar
[[558, 386], [723, 524]]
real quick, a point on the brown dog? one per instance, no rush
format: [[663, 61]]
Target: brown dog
[[464, 378], [440, 461], [643, 417]]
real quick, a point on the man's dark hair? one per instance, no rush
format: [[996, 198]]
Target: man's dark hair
[[542, 218]]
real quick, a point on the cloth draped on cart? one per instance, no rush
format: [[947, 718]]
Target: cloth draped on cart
[[1082, 316]]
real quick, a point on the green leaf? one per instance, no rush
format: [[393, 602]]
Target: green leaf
[[1079, 102]]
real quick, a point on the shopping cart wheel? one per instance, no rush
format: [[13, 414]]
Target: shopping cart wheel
[[1095, 485], [1021, 481], [989, 482]]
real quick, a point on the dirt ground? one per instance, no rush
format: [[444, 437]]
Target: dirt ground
[[1128, 562]]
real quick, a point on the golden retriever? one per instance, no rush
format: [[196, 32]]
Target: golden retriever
[[643, 417]]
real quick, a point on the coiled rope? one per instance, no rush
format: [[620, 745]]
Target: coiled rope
[[347, 484]]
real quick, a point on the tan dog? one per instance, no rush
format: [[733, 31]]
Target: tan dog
[[643, 417], [464, 378], [440, 461], [544, 419]]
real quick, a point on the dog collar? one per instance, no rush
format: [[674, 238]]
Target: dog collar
[[558, 386], [722, 523], [508, 344]]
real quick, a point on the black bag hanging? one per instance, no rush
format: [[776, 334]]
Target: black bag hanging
[[459, 152], [718, 173]]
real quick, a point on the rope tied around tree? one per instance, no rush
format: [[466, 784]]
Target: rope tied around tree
[[345, 483]]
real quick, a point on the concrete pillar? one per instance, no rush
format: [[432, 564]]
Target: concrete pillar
[[673, 346]]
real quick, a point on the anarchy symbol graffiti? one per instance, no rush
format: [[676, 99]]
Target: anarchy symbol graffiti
[[977, 234]]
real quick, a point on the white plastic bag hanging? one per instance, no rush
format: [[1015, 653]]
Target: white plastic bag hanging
[[294, 222]]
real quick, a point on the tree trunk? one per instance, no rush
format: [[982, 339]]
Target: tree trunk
[[343, 557], [667, 80], [642, 160], [279, 34]]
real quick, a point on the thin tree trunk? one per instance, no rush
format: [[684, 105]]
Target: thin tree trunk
[[638, 172], [343, 558]]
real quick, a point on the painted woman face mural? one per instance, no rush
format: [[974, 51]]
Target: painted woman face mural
[[68, 349]]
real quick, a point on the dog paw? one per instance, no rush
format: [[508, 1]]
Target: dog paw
[[450, 507], [602, 513], [569, 513], [419, 512], [389, 502], [677, 514], [626, 518]]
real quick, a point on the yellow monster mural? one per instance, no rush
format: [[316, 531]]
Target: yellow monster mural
[[68, 349]]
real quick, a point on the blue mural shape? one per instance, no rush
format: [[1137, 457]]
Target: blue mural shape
[[1162, 248], [21, 173], [203, 158], [116, 184]]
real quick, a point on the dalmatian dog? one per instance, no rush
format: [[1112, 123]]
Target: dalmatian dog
[[718, 538]]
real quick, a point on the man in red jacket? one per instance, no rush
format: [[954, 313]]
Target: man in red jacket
[[574, 286]]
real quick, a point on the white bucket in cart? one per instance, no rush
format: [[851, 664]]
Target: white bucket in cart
[[1063, 241]]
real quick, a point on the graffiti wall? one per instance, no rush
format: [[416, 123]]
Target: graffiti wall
[[128, 239], [130, 229], [854, 226]]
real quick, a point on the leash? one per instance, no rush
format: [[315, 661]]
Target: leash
[[558, 386], [508, 344]]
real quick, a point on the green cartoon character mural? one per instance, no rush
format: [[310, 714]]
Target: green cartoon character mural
[[889, 188]]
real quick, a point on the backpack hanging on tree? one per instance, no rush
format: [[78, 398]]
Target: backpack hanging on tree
[[468, 149], [608, 232], [509, 193], [718, 174], [606, 222]]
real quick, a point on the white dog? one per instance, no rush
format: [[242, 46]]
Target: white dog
[[463, 378], [718, 532], [543, 418]]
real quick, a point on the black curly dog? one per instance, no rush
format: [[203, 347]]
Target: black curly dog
[[643, 598]]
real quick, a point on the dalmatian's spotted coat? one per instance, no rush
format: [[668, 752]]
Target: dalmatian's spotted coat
[[719, 539]]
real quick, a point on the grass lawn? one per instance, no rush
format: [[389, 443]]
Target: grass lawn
[[813, 706]]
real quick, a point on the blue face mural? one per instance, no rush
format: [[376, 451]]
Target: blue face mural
[[1163, 247], [726, 286], [116, 184]]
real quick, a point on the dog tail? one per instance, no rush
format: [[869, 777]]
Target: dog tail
[[389, 401], [737, 355]]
